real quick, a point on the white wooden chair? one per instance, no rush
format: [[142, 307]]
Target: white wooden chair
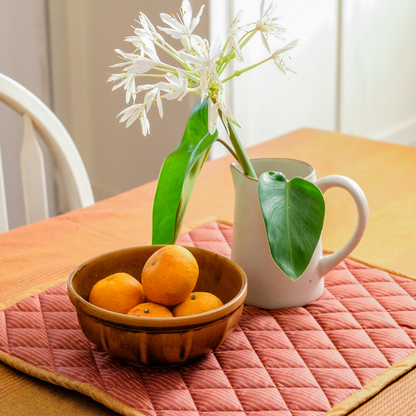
[[69, 171]]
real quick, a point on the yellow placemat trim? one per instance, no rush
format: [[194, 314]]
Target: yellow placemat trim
[[70, 384], [373, 387]]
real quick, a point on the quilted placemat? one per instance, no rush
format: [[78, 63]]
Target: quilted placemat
[[305, 361]]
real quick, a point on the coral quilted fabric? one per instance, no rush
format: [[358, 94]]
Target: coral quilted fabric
[[287, 362]]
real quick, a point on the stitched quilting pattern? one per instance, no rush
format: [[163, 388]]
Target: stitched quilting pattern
[[283, 362]]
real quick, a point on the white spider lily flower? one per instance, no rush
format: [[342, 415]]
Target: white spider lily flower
[[136, 65], [144, 121], [123, 77], [134, 112], [152, 96], [266, 25], [148, 28], [129, 83], [146, 23], [182, 26], [177, 86], [278, 57], [205, 57], [143, 44], [233, 37], [213, 114]]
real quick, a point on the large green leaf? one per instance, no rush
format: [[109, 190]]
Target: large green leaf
[[179, 173], [293, 213]]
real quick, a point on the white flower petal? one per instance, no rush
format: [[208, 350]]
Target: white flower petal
[[195, 20], [191, 59], [291, 45], [177, 29], [159, 104], [116, 65], [217, 78], [176, 34], [145, 123], [185, 43], [118, 85], [186, 12], [269, 10], [146, 23], [262, 8], [265, 43], [281, 68], [203, 84], [149, 97], [212, 116]]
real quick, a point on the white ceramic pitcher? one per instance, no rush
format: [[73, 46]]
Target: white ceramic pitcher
[[268, 286]]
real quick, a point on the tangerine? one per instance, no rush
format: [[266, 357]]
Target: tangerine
[[150, 310], [118, 292], [197, 302], [170, 275]]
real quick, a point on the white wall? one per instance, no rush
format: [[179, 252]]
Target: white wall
[[23, 57], [355, 70], [378, 75]]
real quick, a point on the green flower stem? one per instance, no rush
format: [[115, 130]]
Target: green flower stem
[[174, 55], [252, 33], [241, 71], [229, 148], [225, 46], [162, 69], [240, 153], [149, 75], [168, 67], [191, 76], [167, 45], [171, 69], [194, 91], [225, 61]]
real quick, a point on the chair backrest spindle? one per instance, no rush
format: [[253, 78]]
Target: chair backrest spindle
[[33, 175], [4, 222], [69, 171]]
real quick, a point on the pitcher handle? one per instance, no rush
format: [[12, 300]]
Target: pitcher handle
[[329, 262]]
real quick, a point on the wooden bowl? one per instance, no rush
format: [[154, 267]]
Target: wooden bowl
[[159, 341]]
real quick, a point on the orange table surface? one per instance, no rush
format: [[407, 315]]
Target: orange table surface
[[43, 254]]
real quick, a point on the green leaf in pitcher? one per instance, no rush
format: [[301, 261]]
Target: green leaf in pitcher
[[293, 213]]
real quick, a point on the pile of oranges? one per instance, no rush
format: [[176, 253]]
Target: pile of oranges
[[168, 279]]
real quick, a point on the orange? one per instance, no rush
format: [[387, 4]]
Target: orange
[[197, 302], [151, 310], [117, 293], [170, 275]]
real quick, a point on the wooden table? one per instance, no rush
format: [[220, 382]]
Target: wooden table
[[41, 255]]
